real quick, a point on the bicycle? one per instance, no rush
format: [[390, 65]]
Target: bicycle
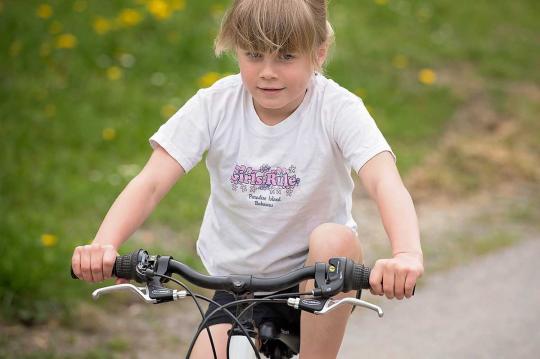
[[339, 275]]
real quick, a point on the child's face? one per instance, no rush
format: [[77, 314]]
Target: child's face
[[277, 81]]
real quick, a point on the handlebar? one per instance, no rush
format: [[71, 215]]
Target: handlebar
[[340, 274]]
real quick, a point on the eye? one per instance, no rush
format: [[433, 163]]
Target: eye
[[286, 56], [254, 55]]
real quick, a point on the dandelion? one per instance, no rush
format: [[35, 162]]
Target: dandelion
[[427, 76], [79, 5], [129, 17], [55, 28], [44, 11], [48, 240], [114, 73], [108, 134], [66, 41], [208, 79], [160, 9], [168, 110], [15, 48], [381, 2], [101, 25]]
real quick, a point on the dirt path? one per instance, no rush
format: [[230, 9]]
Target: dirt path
[[489, 308]]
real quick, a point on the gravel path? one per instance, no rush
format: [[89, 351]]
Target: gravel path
[[487, 309]]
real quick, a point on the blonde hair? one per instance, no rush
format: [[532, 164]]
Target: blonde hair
[[269, 26]]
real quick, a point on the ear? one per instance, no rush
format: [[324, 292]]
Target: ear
[[322, 52]]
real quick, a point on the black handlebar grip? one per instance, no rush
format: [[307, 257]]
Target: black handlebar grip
[[125, 266], [360, 277]]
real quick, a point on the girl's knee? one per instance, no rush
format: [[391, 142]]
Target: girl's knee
[[334, 240]]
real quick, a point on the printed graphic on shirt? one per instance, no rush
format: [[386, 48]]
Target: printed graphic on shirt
[[264, 185]]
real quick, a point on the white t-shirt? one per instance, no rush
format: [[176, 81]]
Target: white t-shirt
[[270, 185]]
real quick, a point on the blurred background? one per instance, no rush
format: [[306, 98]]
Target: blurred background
[[453, 85]]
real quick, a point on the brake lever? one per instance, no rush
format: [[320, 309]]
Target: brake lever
[[142, 292], [332, 304]]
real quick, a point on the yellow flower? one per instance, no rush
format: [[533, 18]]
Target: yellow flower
[[427, 76], [108, 134], [44, 11], [129, 17], [55, 28], [381, 2], [79, 5], [15, 48], [48, 240], [66, 41], [114, 73], [168, 110], [400, 61], [101, 25], [208, 79], [160, 9]]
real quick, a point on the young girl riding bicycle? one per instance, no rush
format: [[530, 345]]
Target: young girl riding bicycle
[[281, 140]]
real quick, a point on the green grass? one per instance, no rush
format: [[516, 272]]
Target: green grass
[[59, 175]]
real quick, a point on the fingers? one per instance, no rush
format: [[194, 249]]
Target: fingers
[[93, 262], [76, 262], [376, 277], [394, 279], [399, 283], [388, 281], [410, 282]]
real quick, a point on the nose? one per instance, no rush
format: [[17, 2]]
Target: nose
[[267, 71]]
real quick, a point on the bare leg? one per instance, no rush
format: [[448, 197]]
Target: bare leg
[[321, 336], [203, 349]]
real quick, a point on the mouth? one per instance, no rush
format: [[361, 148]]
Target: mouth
[[270, 90]]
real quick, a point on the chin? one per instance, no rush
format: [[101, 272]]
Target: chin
[[271, 104]]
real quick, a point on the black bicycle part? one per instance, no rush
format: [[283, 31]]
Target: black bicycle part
[[341, 274], [276, 342]]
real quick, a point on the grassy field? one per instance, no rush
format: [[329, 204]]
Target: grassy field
[[84, 84]]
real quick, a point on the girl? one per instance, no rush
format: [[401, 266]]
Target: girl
[[281, 140]]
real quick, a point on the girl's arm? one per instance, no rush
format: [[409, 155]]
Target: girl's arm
[[395, 277], [94, 262]]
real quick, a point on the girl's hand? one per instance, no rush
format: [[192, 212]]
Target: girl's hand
[[396, 277], [94, 262]]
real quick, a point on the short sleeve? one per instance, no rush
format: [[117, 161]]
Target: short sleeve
[[357, 135], [185, 136]]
